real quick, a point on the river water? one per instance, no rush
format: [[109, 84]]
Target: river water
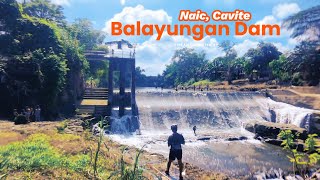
[[218, 116]]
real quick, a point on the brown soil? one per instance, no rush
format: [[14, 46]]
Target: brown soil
[[307, 97]]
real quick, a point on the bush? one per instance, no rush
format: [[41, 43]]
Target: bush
[[303, 162], [297, 79], [62, 126], [20, 119]]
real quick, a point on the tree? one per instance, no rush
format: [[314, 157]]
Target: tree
[[44, 9], [82, 29], [259, 58], [140, 77], [41, 62], [280, 68], [186, 66], [215, 69], [231, 55], [305, 59], [305, 23]]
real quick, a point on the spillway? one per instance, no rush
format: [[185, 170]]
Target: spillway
[[218, 116]]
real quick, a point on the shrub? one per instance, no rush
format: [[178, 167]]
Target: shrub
[[62, 126], [297, 79], [302, 162]]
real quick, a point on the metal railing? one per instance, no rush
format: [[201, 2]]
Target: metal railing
[[121, 53]]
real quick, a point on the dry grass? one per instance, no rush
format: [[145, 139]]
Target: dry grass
[[9, 137], [74, 145]]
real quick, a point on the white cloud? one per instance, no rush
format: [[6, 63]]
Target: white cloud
[[122, 2], [279, 12], [153, 55], [268, 20], [242, 48], [130, 15], [61, 2], [285, 10]]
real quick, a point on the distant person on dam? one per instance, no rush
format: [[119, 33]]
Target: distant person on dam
[[194, 130], [174, 142]]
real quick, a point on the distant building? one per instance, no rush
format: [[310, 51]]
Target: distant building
[[119, 45], [121, 48]]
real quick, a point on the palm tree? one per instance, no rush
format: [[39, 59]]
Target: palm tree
[[305, 24]]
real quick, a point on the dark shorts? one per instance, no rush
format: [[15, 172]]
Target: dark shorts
[[175, 153]]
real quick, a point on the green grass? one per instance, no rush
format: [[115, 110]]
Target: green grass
[[204, 83], [36, 153]]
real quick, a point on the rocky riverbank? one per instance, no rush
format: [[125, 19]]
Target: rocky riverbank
[[268, 132]]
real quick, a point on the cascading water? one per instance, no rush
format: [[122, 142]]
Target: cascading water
[[218, 116], [213, 110], [124, 125]]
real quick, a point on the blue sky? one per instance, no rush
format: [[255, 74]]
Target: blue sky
[[154, 55]]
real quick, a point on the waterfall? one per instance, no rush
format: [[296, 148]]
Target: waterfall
[[207, 110], [218, 116], [287, 114], [217, 110]]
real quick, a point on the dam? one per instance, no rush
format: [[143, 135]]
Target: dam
[[219, 117]]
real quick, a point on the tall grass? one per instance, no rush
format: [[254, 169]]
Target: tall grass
[[101, 135], [129, 171], [2, 166]]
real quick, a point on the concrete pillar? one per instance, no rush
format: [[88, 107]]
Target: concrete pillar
[[122, 88], [110, 84], [133, 87]]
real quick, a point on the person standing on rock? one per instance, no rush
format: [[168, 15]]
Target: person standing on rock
[[194, 130], [174, 142]]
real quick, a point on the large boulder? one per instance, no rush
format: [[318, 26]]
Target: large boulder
[[271, 130], [315, 124]]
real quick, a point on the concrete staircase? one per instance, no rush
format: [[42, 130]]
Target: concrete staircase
[[96, 93], [94, 103]]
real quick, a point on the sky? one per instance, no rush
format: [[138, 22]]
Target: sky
[[153, 55]]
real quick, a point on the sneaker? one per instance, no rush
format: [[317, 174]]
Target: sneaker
[[167, 173]]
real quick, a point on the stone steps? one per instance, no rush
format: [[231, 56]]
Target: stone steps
[[95, 110]]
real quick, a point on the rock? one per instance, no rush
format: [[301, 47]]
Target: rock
[[271, 130], [276, 142], [241, 138], [267, 132], [315, 124], [204, 139]]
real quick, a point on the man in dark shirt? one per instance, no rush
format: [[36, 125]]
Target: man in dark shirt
[[174, 142]]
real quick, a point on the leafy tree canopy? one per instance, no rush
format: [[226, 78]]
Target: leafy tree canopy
[[44, 9], [82, 29]]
